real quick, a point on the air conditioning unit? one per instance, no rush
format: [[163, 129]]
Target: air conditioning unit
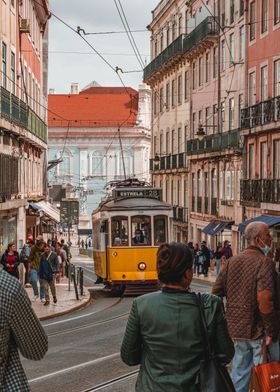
[[24, 25]]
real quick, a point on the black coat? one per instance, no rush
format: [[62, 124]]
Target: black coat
[[4, 262]]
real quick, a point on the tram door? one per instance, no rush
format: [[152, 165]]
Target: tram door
[[103, 246]]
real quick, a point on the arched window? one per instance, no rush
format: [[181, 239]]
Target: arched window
[[65, 167]]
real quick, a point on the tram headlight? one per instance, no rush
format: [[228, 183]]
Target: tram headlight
[[142, 266]]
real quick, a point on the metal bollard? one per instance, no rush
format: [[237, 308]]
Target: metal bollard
[[69, 275], [82, 282], [73, 275]]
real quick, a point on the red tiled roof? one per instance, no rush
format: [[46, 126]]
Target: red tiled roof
[[108, 90], [96, 109]]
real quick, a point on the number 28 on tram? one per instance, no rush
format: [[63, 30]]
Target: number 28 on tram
[[128, 228]]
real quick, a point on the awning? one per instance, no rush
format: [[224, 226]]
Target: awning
[[215, 227], [47, 208], [268, 219]]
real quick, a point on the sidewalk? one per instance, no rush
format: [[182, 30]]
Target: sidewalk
[[211, 278], [66, 301]]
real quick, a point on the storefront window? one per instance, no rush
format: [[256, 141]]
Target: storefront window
[[119, 231], [141, 230], [8, 231], [160, 230]]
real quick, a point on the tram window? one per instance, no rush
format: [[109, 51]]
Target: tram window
[[119, 231], [141, 230], [160, 230]]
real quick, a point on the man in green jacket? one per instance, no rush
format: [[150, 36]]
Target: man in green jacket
[[34, 265]]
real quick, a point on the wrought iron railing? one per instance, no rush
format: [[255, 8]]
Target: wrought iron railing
[[167, 162], [215, 142], [207, 27], [16, 111], [262, 191], [261, 113]]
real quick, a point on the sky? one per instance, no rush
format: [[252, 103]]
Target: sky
[[72, 61]]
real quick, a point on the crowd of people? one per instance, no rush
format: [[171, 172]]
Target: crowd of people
[[203, 257], [38, 262]]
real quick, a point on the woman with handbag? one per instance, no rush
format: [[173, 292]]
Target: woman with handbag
[[179, 339]]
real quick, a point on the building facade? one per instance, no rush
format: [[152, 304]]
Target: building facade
[[23, 132], [200, 46], [101, 134], [260, 187]]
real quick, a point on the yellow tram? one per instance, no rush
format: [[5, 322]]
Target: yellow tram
[[128, 228]]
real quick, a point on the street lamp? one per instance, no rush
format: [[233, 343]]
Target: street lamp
[[200, 132]]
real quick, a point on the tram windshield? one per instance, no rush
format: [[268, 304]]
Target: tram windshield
[[141, 230], [119, 231], [160, 235]]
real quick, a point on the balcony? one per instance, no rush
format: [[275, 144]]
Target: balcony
[[164, 58], [261, 114], [260, 191], [16, 111], [202, 37], [8, 177], [168, 162], [217, 142]]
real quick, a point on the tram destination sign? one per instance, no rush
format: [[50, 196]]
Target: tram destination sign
[[143, 193]]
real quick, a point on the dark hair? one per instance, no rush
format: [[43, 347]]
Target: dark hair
[[31, 242], [172, 262], [10, 245], [62, 241]]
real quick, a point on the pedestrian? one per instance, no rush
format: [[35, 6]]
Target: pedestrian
[[20, 331], [10, 260], [196, 263], [86, 244], [168, 344], [67, 250], [83, 244], [248, 282], [205, 255], [89, 243], [49, 266], [24, 255], [62, 258], [34, 265], [218, 255], [227, 251]]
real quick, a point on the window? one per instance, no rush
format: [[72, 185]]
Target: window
[[160, 230], [263, 161], [173, 142], [231, 13], [200, 117], [155, 103], [264, 16], [179, 140], [215, 114], [207, 116], [141, 230], [161, 42], [264, 86], [4, 65], [222, 185], [207, 67], [179, 192], [241, 42], [252, 24], [223, 55], [215, 68], [276, 72], [240, 107], [231, 113], [185, 137], [167, 141], [223, 13], [200, 71], [194, 76], [187, 84], [251, 162], [241, 7], [193, 123], [167, 36], [180, 29], [161, 100], [119, 231], [222, 116], [199, 191], [179, 89], [213, 183], [173, 31], [161, 144], [276, 159], [252, 88], [229, 184], [231, 48], [97, 164], [13, 72], [167, 97], [276, 11], [173, 93]]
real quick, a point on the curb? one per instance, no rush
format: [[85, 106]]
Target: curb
[[66, 311]]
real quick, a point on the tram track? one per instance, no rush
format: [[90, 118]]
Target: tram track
[[97, 323], [113, 381]]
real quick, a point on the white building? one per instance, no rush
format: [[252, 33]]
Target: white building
[[101, 134]]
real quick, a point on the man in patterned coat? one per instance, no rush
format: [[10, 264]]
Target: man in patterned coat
[[20, 331], [249, 283]]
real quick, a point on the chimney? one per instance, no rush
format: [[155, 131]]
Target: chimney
[[75, 88], [51, 91]]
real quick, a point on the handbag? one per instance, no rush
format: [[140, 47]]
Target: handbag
[[265, 377], [213, 376]]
